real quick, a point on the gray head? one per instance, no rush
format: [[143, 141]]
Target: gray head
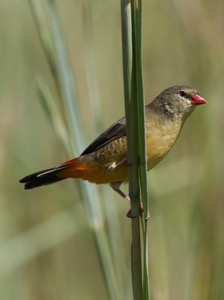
[[177, 102]]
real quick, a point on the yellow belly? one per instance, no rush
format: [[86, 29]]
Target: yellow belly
[[160, 140]]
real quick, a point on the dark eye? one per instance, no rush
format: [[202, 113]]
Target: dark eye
[[183, 94]]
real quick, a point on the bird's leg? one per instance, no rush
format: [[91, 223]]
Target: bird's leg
[[116, 187]]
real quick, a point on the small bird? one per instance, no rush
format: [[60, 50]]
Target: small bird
[[104, 161]]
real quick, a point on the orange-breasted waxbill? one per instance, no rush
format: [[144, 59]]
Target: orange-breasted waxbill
[[104, 161]]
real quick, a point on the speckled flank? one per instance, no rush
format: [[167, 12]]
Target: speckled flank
[[117, 149]]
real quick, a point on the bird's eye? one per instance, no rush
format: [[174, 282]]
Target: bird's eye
[[183, 94]]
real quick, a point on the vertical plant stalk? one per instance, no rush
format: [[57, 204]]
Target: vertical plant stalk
[[137, 44], [131, 14]]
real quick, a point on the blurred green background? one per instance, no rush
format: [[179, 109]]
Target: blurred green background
[[47, 250]]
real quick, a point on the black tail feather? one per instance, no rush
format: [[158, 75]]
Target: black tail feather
[[43, 177]]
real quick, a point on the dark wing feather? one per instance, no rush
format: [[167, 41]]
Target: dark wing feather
[[114, 132]]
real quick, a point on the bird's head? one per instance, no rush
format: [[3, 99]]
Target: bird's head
[[178, 102]]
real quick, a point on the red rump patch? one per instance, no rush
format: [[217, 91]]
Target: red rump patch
[[69, 162]]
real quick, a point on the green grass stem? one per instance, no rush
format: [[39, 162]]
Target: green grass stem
[[131, 14]]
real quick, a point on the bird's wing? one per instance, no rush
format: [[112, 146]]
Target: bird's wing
[[116, 131]]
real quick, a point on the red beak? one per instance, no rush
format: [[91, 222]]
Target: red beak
[[198, 100]]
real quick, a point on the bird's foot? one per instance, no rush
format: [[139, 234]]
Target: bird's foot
[[116, 187], [141, 213]]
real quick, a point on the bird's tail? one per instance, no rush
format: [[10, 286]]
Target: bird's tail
[[47, 176]]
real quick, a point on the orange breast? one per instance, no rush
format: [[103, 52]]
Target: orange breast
[[93, 171]]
